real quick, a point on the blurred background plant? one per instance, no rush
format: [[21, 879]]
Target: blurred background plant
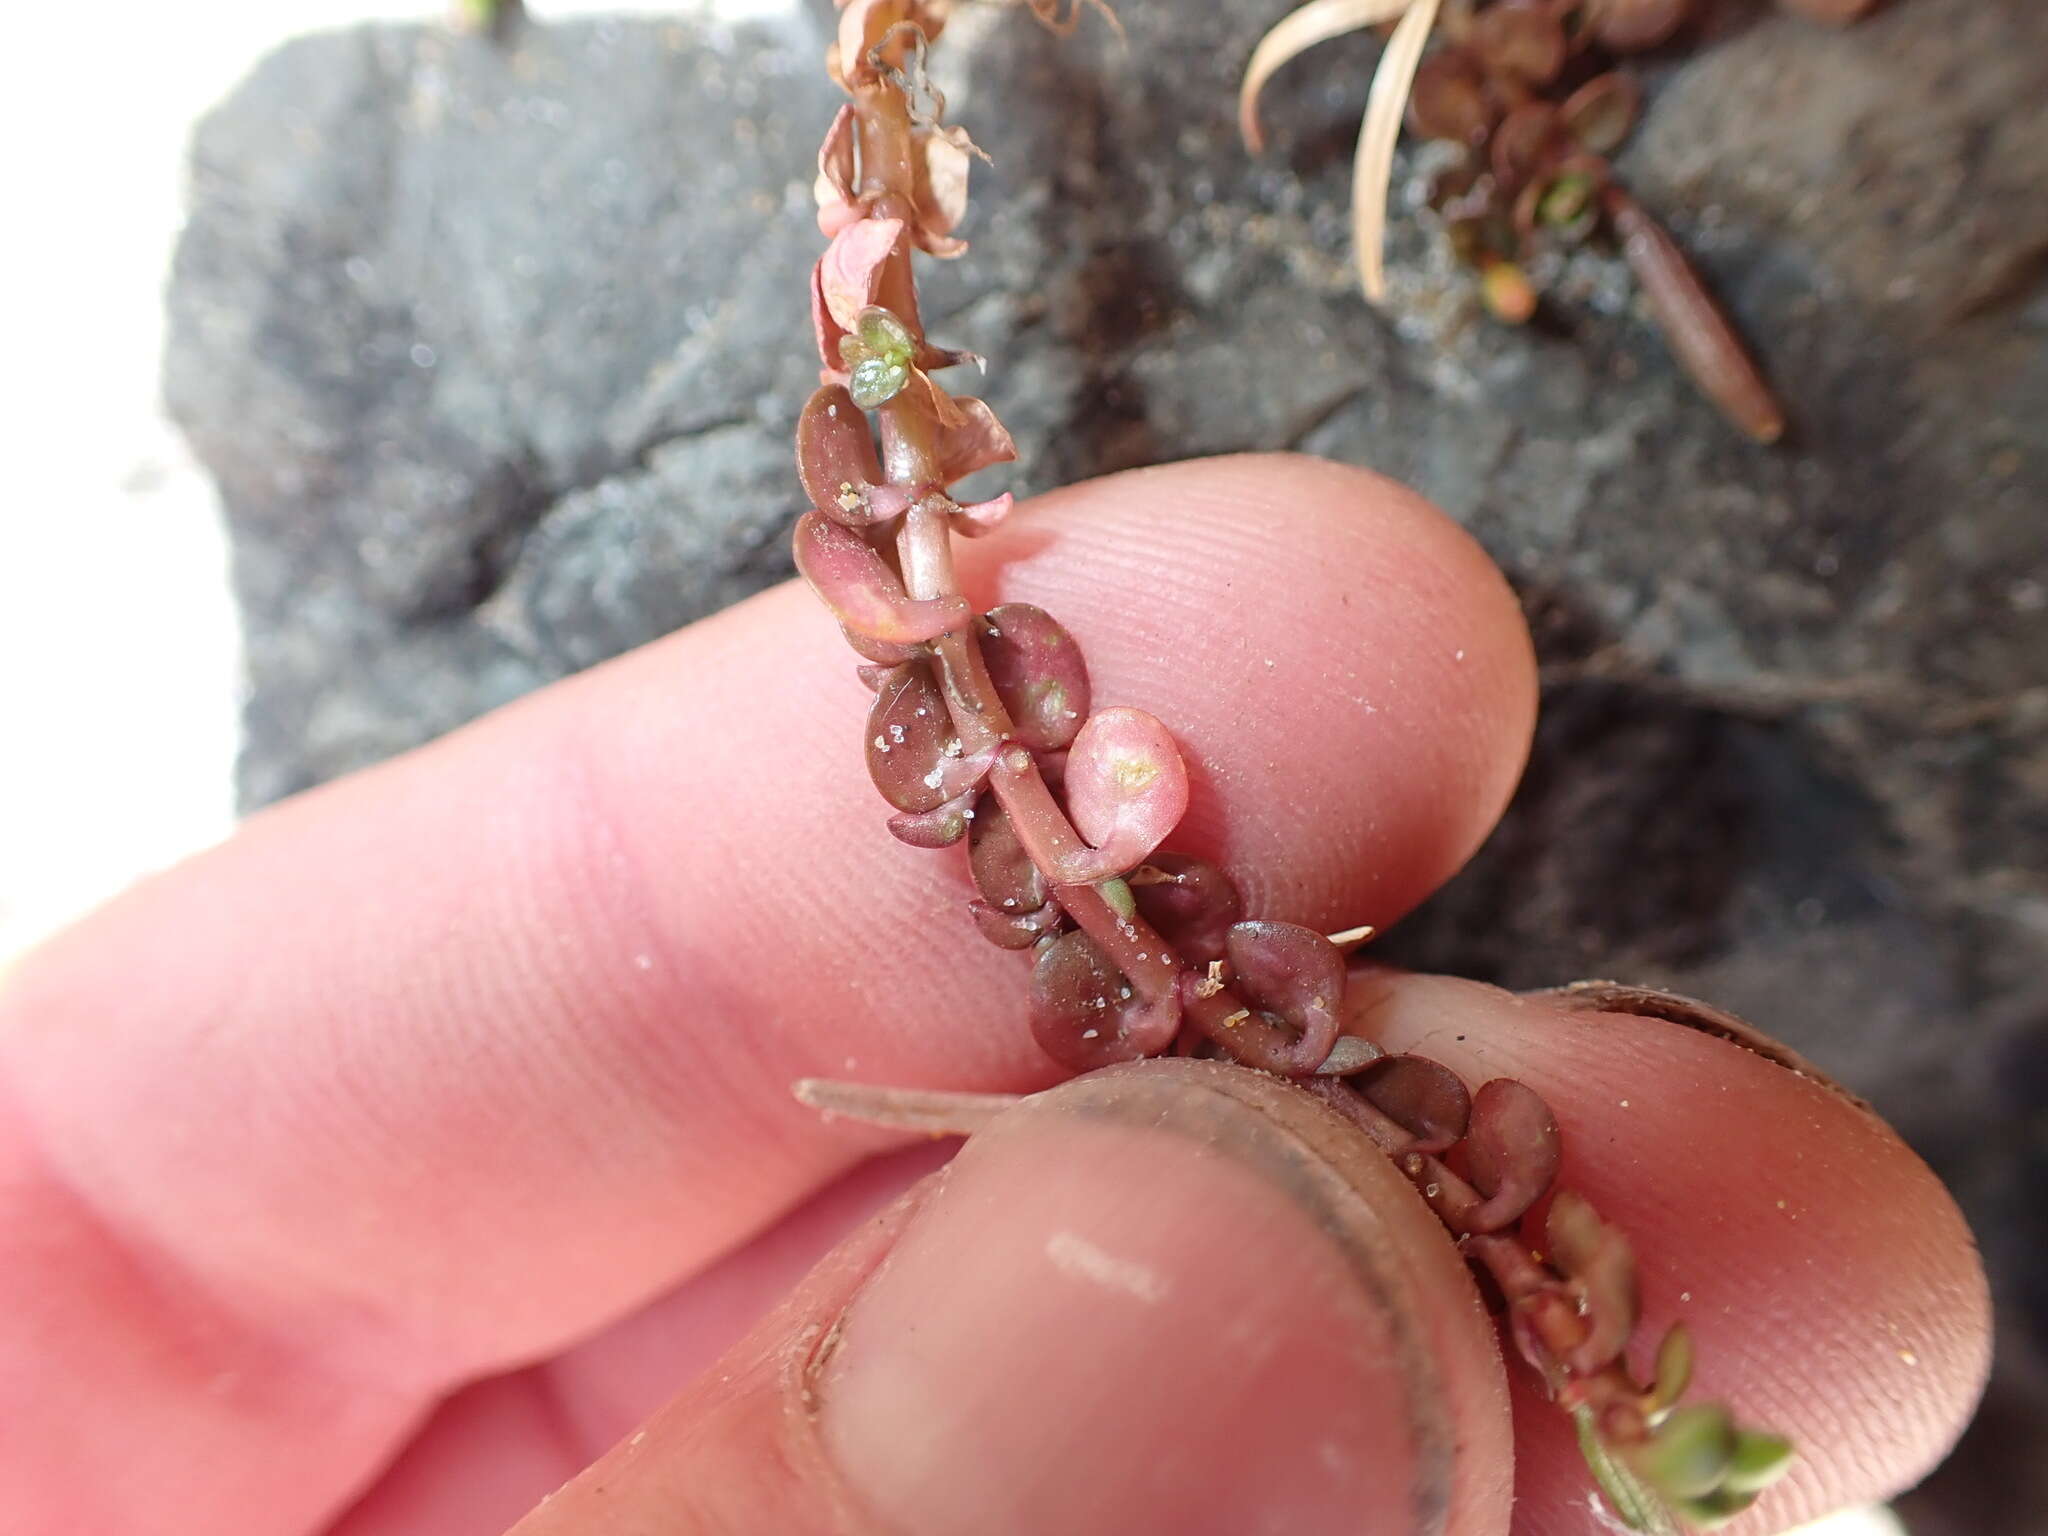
[[1533, 96]]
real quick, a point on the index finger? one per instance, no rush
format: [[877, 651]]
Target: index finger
[[438, 1067]]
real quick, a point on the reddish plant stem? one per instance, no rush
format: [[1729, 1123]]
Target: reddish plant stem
[[1450, 1197], [924, 553], [1388, 1134], [1544, 1309]]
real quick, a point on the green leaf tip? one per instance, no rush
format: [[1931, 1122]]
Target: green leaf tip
[[1117, 893], [878, 354]]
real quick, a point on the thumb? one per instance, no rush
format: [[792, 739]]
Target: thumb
[[1167, 1297]]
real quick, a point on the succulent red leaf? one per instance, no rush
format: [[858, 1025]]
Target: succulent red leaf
[[1525, 140], [826, 331], [881, 653], [1038, 673], [1425, 1098], [1086, 1014], [1600, 114], [1519, 41], [1014, 930], [833, 190], [1448, 99], [961, 773], [1631, 26], [1295, 974], [909, 737], [940, 827], [1511, 1151], [1189, 901], [835, 457], [1002, 870], [1126, 786], [1337, 1095], [863, 593], [1350, 1054]]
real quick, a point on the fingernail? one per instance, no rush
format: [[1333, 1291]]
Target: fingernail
[[1691, 1013], [1173, 1297]]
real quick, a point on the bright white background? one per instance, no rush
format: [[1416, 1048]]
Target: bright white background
[[119, 656]]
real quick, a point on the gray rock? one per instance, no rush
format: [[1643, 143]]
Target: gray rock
[[495, 352], [487, 399]]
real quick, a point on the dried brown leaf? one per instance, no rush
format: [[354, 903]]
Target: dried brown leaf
[[1699, 334]]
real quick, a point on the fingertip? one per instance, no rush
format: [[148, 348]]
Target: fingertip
[[570, 957], [1832, 1288], [1174, 1296], [1159, 1268], [1343, 662]]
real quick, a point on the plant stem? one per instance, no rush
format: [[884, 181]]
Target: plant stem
[[924, 553], [1532, 1290]]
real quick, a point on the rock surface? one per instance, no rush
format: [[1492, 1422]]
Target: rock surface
[[496, 366]]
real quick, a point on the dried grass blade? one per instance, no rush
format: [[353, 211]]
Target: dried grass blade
[[1372, 173], [935, 1111], [1294, 34]]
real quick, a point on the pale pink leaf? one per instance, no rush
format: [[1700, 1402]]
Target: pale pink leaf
[[824, 329], [850, 271], [1126, 785], [835, 158], [943, 161], [833, 190], [978, 517], [834, 216], [862, 592]]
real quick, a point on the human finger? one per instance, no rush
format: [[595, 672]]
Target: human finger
[[1166, 1297], [1832, 1290], [438, 1068]]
